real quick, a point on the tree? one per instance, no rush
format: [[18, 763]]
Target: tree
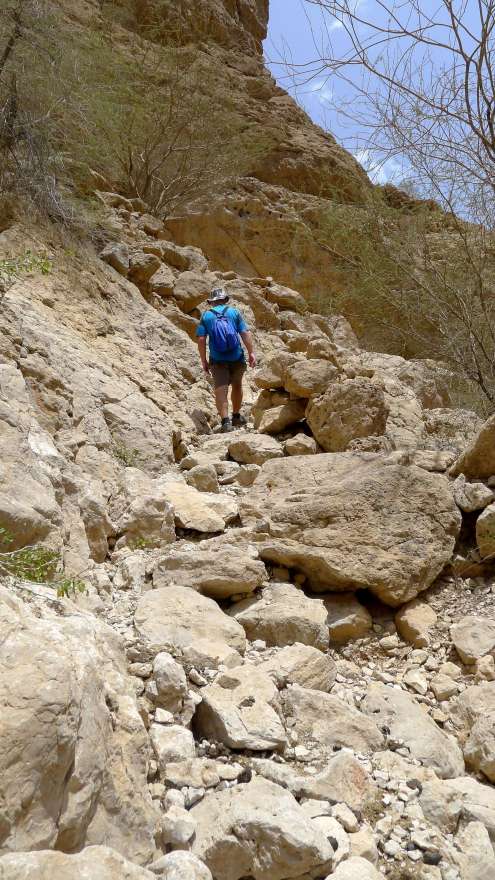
[[417, 83]]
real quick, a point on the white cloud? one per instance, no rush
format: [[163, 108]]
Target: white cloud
[[322, 90], [380, 171]]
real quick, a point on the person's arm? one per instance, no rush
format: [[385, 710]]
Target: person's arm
[[247, 339], [202, 353]]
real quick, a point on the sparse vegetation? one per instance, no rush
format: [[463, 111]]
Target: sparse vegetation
[[37, 564], [15, 267], [128, 457]]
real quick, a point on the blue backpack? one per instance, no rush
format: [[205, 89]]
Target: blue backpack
[[223, 334]]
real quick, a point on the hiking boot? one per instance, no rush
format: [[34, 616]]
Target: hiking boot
[[238, 421], [226, 426]]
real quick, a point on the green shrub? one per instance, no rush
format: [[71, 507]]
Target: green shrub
[[37, 564]]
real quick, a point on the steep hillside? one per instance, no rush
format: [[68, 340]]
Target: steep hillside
[[267, 654]]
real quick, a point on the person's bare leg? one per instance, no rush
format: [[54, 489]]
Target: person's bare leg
[[222, 400], [237, 396]]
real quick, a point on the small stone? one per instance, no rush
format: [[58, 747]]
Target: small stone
[[162, 716], [345, 817], [197, 678], [415, 680]]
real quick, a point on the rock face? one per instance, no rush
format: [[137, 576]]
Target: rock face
[[348, 530], [66, 757], [259, 831]]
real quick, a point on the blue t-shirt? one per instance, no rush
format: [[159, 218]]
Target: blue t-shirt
[[205, 326]]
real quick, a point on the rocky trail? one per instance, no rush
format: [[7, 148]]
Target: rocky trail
[[282, 666]]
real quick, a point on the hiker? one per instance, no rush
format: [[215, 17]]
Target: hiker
[[223, 325]]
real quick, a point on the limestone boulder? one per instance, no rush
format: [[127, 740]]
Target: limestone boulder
[[354, 521], [241, 709], [172, 743], [356, 868], [302, 665], [94, 861], [192, 288], [474, 717], [170, 683], [142, 512], [301, 444], [444, 802], [343, 780], [283, 616], [200, 511], [405, 426], [180, 865], [162, 282], [453, 429], [73, 743], [255, 449], [348, 410], [471, 496], [142, 266], [278, 418], [189, 626], [478, 460], [475, 857], [307, 378], [485, 533], [327, 722], [414, 623], [408, 721], [258, 830], [346, 618], [116, 254], [218, 570], [285, 298], [203, 477], [473, 638]]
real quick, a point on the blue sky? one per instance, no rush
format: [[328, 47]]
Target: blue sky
[[299, 32], [296, 32]]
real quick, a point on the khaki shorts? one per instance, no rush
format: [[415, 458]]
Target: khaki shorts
[[228, 373]]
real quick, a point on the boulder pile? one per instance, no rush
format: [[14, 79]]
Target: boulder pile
[[282, 664]]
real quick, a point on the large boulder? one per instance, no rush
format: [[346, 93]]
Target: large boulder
[[303, 665], [356, 868], [188, 625], [141, 511], [354, 521], [444, 802], [473, 638], [327, 722], [346, 618], [278, 418], [282, 616], [474, 717], [180, 865], [199, 511], [218, 570], [258, 830], [415, 621], [73, 744], [99, 862], [408, 721], [343, 780], [255, 449], [479, 458], [307, 378], [241, 709], [485, 533], [348, 410]]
